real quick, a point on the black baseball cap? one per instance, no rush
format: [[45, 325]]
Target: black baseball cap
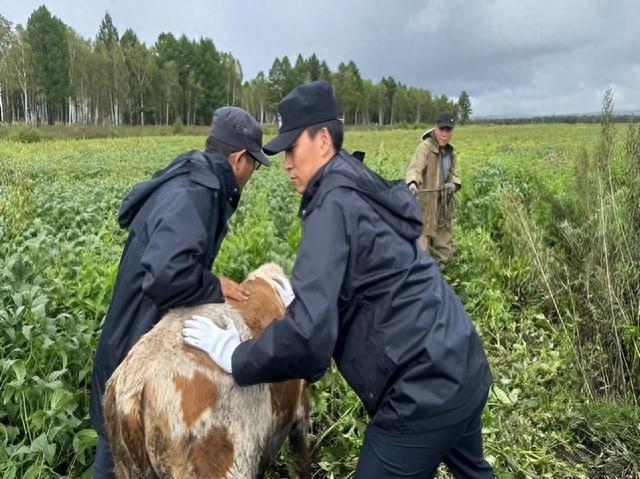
[[445, 120], [235, 127], [304, 106]]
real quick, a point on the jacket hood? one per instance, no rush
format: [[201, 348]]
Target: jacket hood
[[427, 134], [209, 169], [392, 200]]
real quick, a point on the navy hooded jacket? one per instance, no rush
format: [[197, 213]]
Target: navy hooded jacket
[[367, 296], [176, 223]]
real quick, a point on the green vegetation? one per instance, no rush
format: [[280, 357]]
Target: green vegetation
[[548, 265]]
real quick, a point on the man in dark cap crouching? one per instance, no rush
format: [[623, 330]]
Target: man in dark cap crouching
[[176, 221]]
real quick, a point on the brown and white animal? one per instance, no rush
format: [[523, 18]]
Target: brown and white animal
[[170, 411]]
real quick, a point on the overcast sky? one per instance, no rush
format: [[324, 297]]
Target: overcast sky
[[514, 57]]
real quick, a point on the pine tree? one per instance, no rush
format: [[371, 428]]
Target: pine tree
[[464, 107], [47, 37], [108, 46]]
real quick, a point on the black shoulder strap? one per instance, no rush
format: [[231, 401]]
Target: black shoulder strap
[[358, 155]]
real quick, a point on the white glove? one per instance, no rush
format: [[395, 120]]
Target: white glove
[[285, 291], [450, 187], [413, 188], [218, 343]]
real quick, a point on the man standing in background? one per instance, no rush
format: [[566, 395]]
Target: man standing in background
[[431, 176]]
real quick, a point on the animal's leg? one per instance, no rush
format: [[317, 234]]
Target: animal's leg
[[298, 441]]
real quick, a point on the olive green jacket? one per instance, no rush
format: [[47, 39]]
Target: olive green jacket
[[424, 170]]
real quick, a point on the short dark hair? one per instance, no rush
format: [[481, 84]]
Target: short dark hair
[[335, 129], [220, 147]]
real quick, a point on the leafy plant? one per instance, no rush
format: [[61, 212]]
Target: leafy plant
[[547, 264]]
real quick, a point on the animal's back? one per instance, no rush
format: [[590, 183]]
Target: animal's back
[[194, 419]]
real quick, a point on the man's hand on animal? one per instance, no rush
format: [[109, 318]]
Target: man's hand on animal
[[218, 343], [413, 188], [232, 290]]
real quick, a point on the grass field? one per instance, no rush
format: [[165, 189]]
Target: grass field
[[548, 266]]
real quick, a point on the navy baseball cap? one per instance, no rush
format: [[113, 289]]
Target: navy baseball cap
[[235, 127], [445, 120], [304, 106]]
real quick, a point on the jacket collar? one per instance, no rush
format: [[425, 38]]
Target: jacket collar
[[312, 188], [219, 165], [215, 173]]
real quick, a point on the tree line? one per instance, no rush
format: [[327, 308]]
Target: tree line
[[594, 118], [50, 74]]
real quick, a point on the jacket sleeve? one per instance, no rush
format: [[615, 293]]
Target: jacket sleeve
[[453, 175], [174, 272], [300, 345], [415, 171]]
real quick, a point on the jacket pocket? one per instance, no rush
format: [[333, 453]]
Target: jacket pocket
[[362, 359]]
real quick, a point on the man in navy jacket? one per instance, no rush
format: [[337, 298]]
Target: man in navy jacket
[[176, 221], [367, 296]]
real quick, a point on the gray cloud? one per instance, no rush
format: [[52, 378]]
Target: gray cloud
[[513, 57]]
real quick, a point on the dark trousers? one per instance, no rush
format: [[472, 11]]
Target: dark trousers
[[103, 464], [387, 455]]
